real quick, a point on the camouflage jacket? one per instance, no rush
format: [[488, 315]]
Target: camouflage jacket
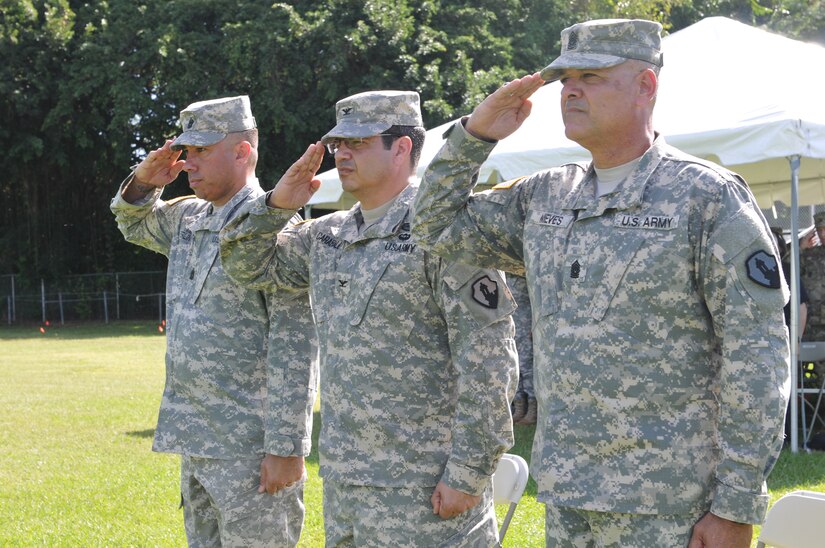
[[661, 358], [241, 367], [812, 277], [418, 361]]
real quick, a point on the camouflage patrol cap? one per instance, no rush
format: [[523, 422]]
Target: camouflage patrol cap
[[372, 112], [207, 122], [604, 43], [819, 219]]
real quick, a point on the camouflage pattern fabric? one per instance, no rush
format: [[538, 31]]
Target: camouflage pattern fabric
[[208, 122], [661, 360], [572, 527], [371, 113], [523, 320], [228, 347], [812, 277], [379, 517], [222, 506], [418, 360], [603, 43]]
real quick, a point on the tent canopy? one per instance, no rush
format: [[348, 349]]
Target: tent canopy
[[740, 96]]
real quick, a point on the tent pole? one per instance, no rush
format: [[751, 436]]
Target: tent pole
[[795, 335]]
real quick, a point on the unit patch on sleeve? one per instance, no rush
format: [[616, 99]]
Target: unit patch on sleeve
[[485, 292], [763, 269]]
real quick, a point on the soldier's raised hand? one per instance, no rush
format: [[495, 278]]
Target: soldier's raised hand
[[504, 110], [299, 183], [160, 167]]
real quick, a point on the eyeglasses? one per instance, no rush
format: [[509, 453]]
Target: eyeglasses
[[353, 143]]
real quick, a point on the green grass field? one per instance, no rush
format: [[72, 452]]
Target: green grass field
[[79, 407]]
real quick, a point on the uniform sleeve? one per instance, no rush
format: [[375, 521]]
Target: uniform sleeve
[[292, 376], [150, 223], [745, 293], [257, 252], [484, 229], [478, 306]]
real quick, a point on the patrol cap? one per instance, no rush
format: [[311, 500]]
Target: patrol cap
[[819, 219], [207, 122], [373, 112], [604, 43]]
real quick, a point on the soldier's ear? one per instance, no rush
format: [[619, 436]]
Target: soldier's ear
[[242, 151]]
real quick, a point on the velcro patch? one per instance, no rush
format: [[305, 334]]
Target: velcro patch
[[508, 184], [651, 222], [560, 220], [763, 269]]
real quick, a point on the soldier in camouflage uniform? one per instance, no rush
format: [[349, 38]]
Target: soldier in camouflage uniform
[[524, 404], [661, 354], [418, 361], [812, 275], [241, 366]]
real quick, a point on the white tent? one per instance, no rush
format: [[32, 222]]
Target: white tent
[[748, 99]]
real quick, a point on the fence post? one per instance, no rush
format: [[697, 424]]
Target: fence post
[[12, 310], [8, 304], [60, 304], [105, 307], [43, 299], [117, 295]]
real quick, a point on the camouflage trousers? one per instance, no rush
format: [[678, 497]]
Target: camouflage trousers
[[574, 528], [222, 506], [356, 515]]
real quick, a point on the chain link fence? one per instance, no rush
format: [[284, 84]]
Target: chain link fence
[[100, 297]]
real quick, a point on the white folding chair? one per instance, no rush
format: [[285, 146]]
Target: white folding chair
[[509, 481], [811, 351], [794, 521]]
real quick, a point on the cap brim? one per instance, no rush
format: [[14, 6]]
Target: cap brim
[[552, 72], [346, 130], [197, 139]]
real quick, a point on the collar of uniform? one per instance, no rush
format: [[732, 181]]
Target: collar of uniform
[[629, 194], [206, 221], [388, 224]]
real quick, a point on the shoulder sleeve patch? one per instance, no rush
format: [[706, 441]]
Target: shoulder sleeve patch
[[174, 201], [508, 184], [763, 269]]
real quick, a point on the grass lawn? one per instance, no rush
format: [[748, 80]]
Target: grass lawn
[[79, 408]]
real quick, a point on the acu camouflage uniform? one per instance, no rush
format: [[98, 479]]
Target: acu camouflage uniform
[[418, 361], [241, 368], [523, 320], [661, 363], [812, 276]]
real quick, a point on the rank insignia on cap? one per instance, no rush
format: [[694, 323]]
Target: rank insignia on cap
[[190, 123], [346, 111], [485, 292], [763, 269], [573, 41]]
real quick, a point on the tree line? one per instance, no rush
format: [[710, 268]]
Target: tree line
[[88, 87]]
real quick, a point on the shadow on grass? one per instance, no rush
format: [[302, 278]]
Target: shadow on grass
[[142, 433], [82, 330]]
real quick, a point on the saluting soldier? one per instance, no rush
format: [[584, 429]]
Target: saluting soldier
[[241, 364], [418, 361], [661, 354]]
